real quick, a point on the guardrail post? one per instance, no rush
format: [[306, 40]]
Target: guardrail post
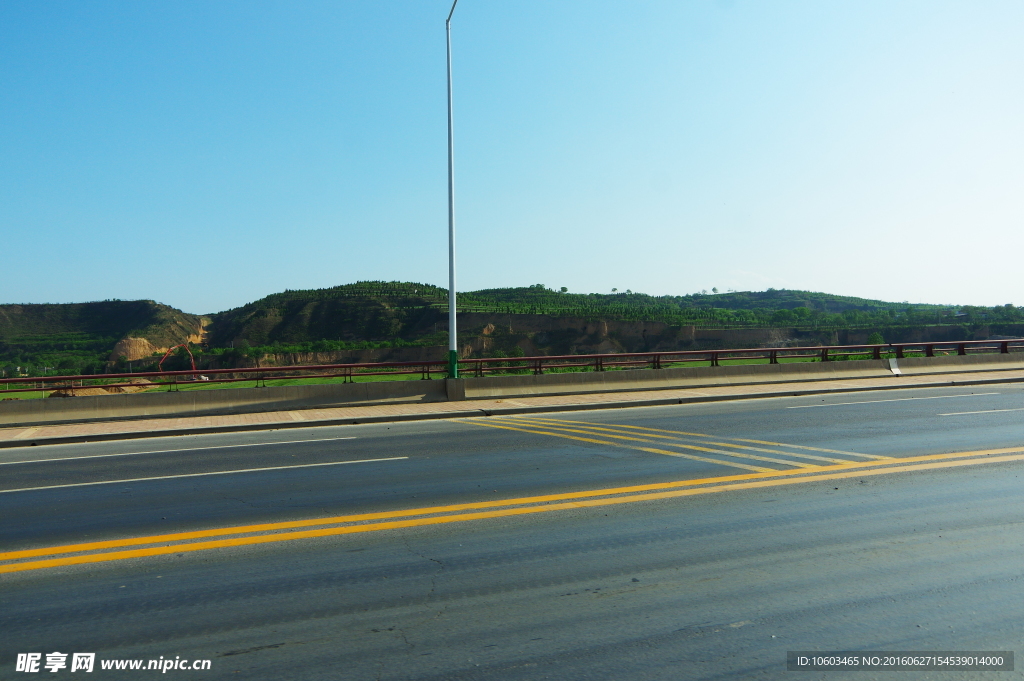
[[599, 364], [929, 351], [961, 349], [655, 361], [714, 359], [877, 354], [773, 357], [824, 355], [899, 352], [1004, 347], [538, 369]]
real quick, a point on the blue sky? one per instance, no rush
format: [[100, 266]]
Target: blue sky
[[205, 154]]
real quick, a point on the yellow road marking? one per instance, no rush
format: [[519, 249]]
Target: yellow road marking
[[735, 439], [814, 449], [619, 444], [609, 432], [878, 469], [430, 510], [673, 437], [518, 501], [812, 457]]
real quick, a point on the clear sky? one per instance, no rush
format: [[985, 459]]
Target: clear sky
[[205, 154]]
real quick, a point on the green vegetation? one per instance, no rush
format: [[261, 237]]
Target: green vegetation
[[83, 338], [60, 353], [32, 395], [748, 309], [401, 314], [37, 340]]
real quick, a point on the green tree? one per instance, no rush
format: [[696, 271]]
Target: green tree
[[67, 366]]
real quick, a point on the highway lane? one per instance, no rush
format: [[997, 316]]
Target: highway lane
[[449, 462], [548, 594]]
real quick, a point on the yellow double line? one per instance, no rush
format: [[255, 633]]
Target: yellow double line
[[104, 551]]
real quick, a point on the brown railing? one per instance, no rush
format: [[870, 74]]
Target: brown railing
[[173, 380]]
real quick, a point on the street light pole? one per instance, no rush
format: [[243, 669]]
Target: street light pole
[[453, 339]]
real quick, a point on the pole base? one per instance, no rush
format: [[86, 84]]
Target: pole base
[[453, 364]]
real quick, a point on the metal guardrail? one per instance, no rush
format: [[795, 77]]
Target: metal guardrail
[[480, 367]]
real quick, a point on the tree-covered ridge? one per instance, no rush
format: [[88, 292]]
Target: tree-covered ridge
[[394, 292], [380, 314], [748, 308], [80, 336], [364, 311], [161, 324], [377, 310]]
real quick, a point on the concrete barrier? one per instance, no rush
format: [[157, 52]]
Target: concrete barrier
[[211, 402], [662, 379], [298, 397], [729, 375]]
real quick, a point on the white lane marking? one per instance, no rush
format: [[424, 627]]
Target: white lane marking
[[168, 451], [899, 399], [987, 411], [196, 475]]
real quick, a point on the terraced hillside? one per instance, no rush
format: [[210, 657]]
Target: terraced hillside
[[86, 336], [354, 322], [376, 321], [379, 311]]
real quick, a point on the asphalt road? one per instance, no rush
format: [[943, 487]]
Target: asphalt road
[[684, 542]]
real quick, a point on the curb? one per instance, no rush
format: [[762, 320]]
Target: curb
[[476, 413]]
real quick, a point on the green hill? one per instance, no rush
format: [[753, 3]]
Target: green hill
[[375, 314], [360, 312], [81, 336], [370, 312]]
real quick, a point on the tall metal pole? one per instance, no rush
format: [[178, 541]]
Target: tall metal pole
[[453, 339]]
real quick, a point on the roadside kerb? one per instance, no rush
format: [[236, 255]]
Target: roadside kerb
[[524, 405]]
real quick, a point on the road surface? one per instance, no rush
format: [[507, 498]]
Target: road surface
[[685, 542]]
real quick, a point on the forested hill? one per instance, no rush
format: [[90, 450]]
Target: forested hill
[[372, 314], [402, 311], [363, 311], [81, 336], [538, 299]]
